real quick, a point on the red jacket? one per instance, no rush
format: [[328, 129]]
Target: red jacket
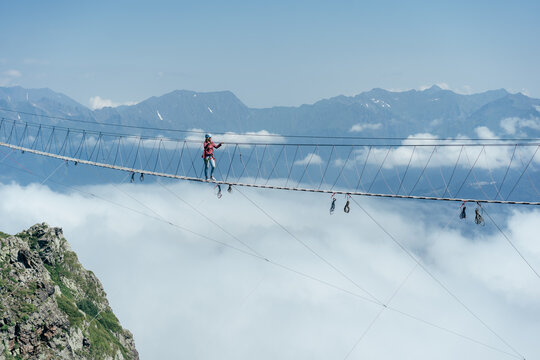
[[209, 149]]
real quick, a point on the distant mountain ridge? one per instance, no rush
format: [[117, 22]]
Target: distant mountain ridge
[[377, 112]]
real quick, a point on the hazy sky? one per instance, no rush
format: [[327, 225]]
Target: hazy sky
[[267, 52], [184, 297]]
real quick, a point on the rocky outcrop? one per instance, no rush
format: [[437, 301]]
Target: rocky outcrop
[[50, 306]]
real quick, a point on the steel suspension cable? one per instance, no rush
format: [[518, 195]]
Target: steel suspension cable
[[327, 164], [529, 176], [309, 248], [423, 170], [436, 279], [407, 169], [478, 183], [491, 175], [520, 176], [512, 244], [175, 194], [363, 168], [231, 158], [275, 164], [342, 168], [292, 164], [469, 172], [379, 169], [306, 167], [381, 310], [506, 173], [402, 284]]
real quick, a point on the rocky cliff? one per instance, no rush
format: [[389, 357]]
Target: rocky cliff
[[51, 307]]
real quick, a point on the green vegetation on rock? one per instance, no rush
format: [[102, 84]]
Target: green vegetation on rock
[[34, 265], [66, 305]]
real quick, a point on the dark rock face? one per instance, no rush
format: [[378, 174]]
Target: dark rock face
[[51, 307]]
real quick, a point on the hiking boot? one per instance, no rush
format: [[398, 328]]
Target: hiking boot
[[213, 178]]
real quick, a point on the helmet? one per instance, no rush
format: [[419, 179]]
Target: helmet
[[207, 136]]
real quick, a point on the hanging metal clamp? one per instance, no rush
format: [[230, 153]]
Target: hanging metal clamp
[[218, 192], [478, 218], [333, 205], [463, 214], [347, 208]]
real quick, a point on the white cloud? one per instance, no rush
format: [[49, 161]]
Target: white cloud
[[169, 286], [262, 136], [96, 102], [512, 124], [7, 77], [362, 127], [442, 85], [466, 90], [311, 159], [13, 73], [509, 125], [483, 132], [463, 90], [490, 157]]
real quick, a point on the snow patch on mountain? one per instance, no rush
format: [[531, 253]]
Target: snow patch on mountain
[[381, 103]]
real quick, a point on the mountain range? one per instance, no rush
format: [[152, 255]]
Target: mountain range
[[376, 112]]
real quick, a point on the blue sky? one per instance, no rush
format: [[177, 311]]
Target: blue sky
[[268, 53]]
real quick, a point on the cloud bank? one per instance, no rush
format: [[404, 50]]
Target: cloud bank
[[169, 286], [489, 157], [514, 124], [97, 102], [262, 136], [362, 127]]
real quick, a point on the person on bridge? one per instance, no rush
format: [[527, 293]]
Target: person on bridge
[[208, 156]]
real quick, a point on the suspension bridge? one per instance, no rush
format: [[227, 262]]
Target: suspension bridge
[[486, 170]]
